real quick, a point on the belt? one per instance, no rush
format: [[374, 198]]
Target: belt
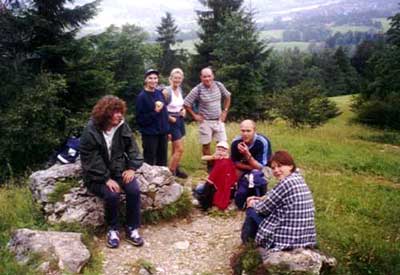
[[214, 119], [174, 114]]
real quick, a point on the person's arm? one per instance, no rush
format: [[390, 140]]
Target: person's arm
[[251, 161], [188, 103], [274, 199], [227, 100], [93, 165], [144, 116], [208, 157], [227, 104]]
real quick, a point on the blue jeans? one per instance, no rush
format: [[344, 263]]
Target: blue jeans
[[112, 201], [250, 225]]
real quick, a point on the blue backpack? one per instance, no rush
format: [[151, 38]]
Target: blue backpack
[[70, 151], [252, 183]]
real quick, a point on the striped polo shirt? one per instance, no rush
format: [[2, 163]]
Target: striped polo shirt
[[209, 99]]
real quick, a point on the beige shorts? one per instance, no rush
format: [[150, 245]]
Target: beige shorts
[[212, 129]]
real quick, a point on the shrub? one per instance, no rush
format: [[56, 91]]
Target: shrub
[[304, 104]]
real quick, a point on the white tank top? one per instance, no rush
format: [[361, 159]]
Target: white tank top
[[176, 103]]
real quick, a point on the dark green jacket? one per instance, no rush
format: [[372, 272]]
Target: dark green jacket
[[96, 165]]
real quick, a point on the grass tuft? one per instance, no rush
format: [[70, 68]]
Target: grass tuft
[[181, 208], [62, 188]]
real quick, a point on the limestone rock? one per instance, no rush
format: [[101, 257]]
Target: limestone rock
[[300, 261], [157, 185], [65, 248]]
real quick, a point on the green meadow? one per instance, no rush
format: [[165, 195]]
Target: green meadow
[[352, 170], [355, 183]]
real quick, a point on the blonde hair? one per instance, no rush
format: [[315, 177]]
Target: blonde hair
[[176, 71]]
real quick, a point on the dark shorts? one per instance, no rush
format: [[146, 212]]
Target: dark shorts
[[177, 129]]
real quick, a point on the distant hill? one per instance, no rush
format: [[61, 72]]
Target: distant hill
[[147, 14]]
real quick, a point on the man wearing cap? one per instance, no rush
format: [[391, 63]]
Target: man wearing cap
[[152, 119], [250, 150], [210, 116]]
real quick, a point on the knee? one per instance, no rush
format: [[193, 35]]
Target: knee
[[112, 197], [132, 188], [179, 150]]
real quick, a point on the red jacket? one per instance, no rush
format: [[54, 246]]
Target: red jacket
[[223, 176]]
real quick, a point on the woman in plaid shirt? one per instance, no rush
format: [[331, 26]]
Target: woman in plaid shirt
[[284, 218]]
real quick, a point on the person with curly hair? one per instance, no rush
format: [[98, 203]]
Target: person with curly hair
[[109, 158]]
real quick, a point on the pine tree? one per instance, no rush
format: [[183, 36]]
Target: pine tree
[[167, 32], [211, 20], [240, 58]]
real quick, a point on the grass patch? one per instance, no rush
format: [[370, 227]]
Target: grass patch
[[247, 260], [178, 209], [348, 28], [274, 34], [144, 264], [62, 188], [19, 211], [280, 46]]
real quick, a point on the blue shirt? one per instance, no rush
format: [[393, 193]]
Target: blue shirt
[[149, 121], [260, 149]]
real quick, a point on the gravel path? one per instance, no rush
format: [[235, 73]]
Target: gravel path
[[199, 244]]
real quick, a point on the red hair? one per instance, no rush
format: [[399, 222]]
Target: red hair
[[283, 158], [105, 108]]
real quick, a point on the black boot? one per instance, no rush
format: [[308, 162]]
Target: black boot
[[180, 174]]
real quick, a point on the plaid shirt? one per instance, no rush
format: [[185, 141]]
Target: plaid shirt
[[289, 215]]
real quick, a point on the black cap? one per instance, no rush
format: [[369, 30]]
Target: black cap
[[151, 71]]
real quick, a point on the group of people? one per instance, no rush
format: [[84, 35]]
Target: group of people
[[281, 219]]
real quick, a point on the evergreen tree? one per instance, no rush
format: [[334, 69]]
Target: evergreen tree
[[240, 58], [167, 32], [379, 103], [210, 21], [41, 79]]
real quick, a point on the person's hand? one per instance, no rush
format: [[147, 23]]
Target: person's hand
[[113, 186], [172, 119], [182, 113], [128, 175], [223, 115], [198, 118], [159, 105], [251, 201], [244, 149]]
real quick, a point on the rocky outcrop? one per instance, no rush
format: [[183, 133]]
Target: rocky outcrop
[[64, 248], [77, 205], [298, 261]]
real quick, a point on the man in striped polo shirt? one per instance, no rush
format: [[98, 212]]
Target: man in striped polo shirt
[[211, 117], [250, 150]]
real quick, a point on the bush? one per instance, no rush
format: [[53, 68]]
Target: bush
[[379, 112], [303, 105], [247, 261], [32, 125]]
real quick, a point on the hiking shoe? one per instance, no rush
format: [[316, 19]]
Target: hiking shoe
[[133, 237], [180, 174], [112, 238]]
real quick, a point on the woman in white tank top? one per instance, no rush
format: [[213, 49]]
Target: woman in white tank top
[[174, 99]]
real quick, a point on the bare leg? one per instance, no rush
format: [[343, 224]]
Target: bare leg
[[207, 152], [177, 152]]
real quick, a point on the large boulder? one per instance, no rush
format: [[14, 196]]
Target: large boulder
[[78, 205], [297, 261], [64, 248]]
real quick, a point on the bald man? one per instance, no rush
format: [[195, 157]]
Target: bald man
[[211, 116], [250, 150]]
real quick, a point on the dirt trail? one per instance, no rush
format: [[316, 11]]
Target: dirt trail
[[199, 244]]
